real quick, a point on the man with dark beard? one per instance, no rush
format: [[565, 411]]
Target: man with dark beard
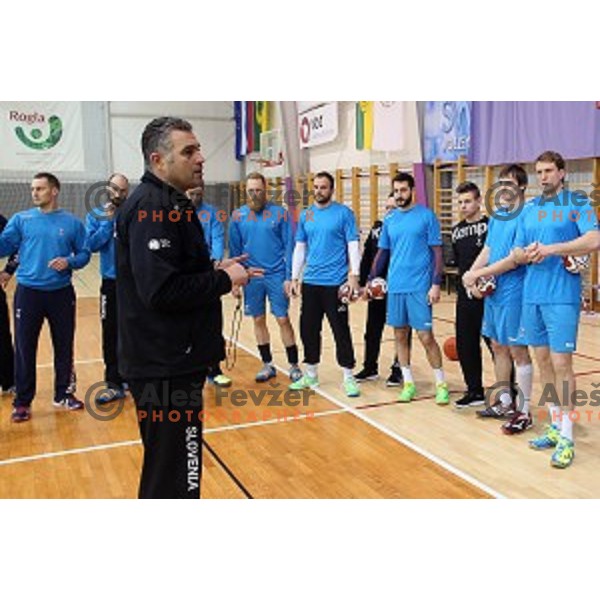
[[100, 237], [327, 248]]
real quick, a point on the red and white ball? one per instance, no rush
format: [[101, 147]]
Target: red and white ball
[[486, 286], [346, 294], [576, 264], [377, 289]]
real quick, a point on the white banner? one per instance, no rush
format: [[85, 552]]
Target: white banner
[[319, 125], [41, 136]]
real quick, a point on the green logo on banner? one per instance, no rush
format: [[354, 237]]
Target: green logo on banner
[[55, 134]]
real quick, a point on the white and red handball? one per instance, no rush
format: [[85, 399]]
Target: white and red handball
[[347, 295], [576, 264], [377, 289], [486, 286]]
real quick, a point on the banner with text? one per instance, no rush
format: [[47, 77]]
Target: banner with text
[[318, 125], [41, 136], [447, 130]]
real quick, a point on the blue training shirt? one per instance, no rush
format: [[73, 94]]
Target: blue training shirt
[[501, 241], [213, 228], [553, 220], [100, 237], [409, 236], [39, 237], [266, 236], [327, 232]]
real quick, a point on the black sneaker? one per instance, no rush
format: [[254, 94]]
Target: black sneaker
[[470, 400], [497, 411], [395, 379], [366, 375], [20, 414], [69, 402], [518, 424]]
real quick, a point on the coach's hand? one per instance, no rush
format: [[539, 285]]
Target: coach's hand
[[227, 262], [238, 275], [434, 294]]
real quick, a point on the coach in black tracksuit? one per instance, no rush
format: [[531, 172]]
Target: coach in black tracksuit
[[468, 239], [168, 293]]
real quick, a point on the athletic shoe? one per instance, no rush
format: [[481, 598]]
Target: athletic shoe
[[305, 382], [409, 391], [72, 383], [395, 379], [351, 387], [20, 414], [366, 375], [442, 396], [11, 391], [110, 395], [549, 439], [295, 373], [221, 380], [497, 411], [518, 424], [266, 373], [564, 454], [69, 402], [469, 400]]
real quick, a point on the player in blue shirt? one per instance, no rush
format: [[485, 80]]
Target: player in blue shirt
[[327, 248], [100, 232], [263, 231], [51, 244], [411, 242], [554, 225], [502, 310], [214, 236]]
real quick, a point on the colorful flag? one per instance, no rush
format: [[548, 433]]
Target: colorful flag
[[364, 125], [388, 126]]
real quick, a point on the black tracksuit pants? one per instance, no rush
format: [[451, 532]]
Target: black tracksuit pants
[[319, 301], [31, 307], [108, 318], [7, 354], [169, 417]]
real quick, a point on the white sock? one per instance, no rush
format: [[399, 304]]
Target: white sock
[[566, 429], [555, 415], [407, 375], [524, 379], [439, 375], [347, 373], [505, 399], [311, 371]]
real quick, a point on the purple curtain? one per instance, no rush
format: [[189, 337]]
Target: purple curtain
[[504, 132]]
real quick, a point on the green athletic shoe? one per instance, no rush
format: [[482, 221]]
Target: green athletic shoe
[[305, 382], [564, 454], [351, 388], [222, 381], [442, 396], [549, 439], [409, 391]]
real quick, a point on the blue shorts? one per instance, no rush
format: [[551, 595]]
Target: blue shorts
[[552, 325], [256, 292], [412, 310], [501, 323]]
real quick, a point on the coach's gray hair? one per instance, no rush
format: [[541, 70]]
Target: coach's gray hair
[[157, 135]]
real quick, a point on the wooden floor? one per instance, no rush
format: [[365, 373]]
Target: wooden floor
[[334, 447]]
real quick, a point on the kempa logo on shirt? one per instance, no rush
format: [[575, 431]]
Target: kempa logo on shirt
[[33, 139], [470, 230]]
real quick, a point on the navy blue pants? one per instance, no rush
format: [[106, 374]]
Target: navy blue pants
[[31, 307]]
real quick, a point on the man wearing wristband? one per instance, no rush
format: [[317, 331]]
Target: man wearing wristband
[[411, 243]]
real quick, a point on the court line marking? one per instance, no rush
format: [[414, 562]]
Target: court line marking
[[112, 445], [383, 429]]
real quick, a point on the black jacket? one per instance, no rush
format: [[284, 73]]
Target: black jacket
[[468, 240], [168, 291]]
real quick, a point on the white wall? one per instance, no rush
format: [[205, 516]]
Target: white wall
[[212, 121]]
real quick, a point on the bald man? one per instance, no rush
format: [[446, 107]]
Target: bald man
[[101, 238]]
